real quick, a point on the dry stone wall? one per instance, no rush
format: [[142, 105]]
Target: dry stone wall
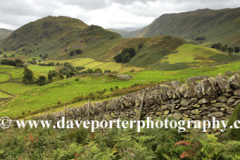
[[196, 100]]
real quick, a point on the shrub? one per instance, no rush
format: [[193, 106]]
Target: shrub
[[107, 71], [132, 70], [140, 45], [126, 58], [97, 70], [80, 68], [61, 76], [125, 55], [41, 80], [118, 58], [234, 133]]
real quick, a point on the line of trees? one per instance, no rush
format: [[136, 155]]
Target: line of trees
[[225, 48], [53, 75], [17, 62]]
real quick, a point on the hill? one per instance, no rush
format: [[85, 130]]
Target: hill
[[216, 25], [57, 37], [4, 33]]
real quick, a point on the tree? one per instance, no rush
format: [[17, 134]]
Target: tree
[[41, 80], [27, 76], [11, 63], [5, 56], [40, 55], [67, 64], [72, 53], [118, 58], [131, 51], [223, 48], [78, 51], [53, 73], [70, 74], [230, 50], [50, 77], [98, 70], [19, 62], [0, 52], [45, 56], [126, 58], [80, 68], [89, 70], [236, 49], [61, 76], [140, 45]]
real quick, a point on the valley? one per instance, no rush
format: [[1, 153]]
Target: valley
[[58, 65]]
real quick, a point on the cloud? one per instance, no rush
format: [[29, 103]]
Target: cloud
[[106, 13], [127, 2], [87, 4]]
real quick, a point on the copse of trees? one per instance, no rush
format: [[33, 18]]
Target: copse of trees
[[225, 48], [200, 39], [125, 55], [97, 70], [46, 64], [16, 62], [78, 51]]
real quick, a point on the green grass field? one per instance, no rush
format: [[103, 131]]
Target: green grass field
[[31, 58], [81, 61], [4, 77], [113, 66], [6, 66], [87, 63], [190, 53], [41, 69], [3, 95], [93, 65], [63, 91], [16, 88]]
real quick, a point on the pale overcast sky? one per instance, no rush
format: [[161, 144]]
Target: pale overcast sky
[[105, 13]]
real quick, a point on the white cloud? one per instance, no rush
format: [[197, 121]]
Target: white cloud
[[105, 13]]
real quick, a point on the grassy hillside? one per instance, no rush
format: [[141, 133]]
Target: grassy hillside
[[216, 25], [4, 33], [58, 36], [45, 98], [10, 73]]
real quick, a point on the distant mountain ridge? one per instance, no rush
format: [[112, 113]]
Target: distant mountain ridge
[[216, 25], [4, 33]]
